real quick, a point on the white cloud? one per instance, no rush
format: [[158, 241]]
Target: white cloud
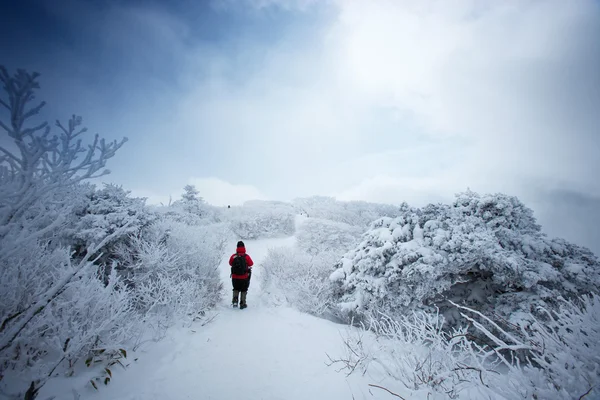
[[507, 76], [384, 100], [387, 189], [506, 81], [221, 193]]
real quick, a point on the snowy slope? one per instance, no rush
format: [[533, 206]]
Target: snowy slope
[[261, 352]]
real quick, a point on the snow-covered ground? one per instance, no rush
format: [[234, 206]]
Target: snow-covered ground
[[262, 352]]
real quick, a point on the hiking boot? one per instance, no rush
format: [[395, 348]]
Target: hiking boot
[[243, 300], [234, 300], [243, 305]]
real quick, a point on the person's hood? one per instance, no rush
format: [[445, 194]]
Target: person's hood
[[241, 250]]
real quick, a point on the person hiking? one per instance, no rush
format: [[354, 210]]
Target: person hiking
[[241, 271]]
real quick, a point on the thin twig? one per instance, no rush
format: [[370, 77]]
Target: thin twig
[[57, 364], [586, 393], [7, 320], [473, 369], [208, 321], [387, 390]]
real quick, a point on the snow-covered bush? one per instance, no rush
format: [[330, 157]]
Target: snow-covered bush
[[97, 213], [296, 278], [300, 276], [172, 271], [356, 213], [483, 252], [561, 353], [316, 236], [90, 313], [561, 348], [106, 210], [47, 321], [260, 219]]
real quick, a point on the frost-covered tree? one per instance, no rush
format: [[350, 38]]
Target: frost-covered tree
[[191, 209], [484, 252], [39, 161], [190, 194], [38, 276], [190, 201], [101, 212]]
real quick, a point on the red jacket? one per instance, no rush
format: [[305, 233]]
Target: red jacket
[[241, 251]]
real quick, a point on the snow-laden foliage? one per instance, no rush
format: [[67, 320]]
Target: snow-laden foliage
[[300, 276], [486, 252], [260, 219], [316, 236], [105, 210], [88, 306], [561, 353], [356, 213], [61, 309], [89, 313], [296, 278], [97, 213], [171, 270]]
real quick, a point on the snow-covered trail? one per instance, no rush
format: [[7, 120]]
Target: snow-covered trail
[[262, 352]]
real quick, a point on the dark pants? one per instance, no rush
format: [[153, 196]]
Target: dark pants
[[241, 284]]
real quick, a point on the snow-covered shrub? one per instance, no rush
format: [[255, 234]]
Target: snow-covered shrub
[[261, 219], [561, 353], [415, 352], [561, 348], [319, 235], [356, 213], [172, 271], [300, 276], [483, 252], [47, 321], [56, 308], [294, 277], [107, 209], [89, 314], [97, 213]]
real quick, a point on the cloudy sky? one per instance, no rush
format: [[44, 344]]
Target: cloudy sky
[[379, 100]]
